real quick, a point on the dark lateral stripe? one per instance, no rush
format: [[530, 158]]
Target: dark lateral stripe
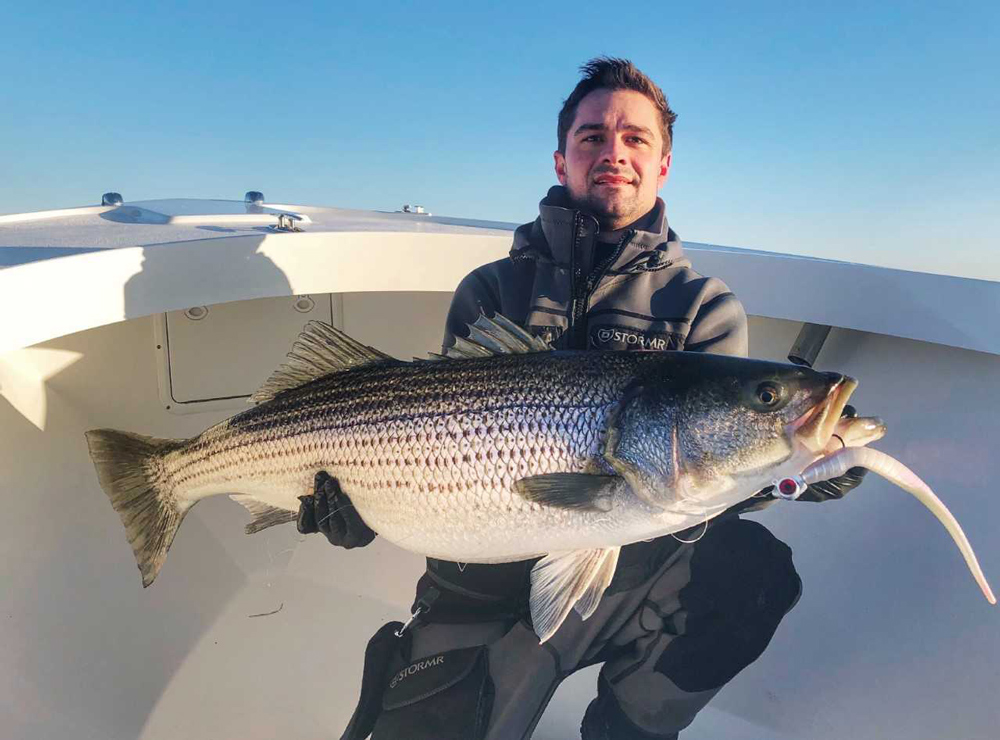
[[350, 399], [632, 314], [343, 401], [383, 395], [243, 438]]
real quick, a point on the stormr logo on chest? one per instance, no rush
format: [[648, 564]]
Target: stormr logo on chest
[[416, 668], [629, 338]]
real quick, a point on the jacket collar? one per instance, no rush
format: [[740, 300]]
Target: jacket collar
[[550, 237]]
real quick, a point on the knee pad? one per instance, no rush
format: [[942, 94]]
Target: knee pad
[[448, 696], [605, 720], [444, 696], [739, 567], [742, 584]]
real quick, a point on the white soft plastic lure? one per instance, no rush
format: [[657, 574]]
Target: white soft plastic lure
[[894, 471]]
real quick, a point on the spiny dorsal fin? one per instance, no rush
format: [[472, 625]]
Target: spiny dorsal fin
[[497, 336], [321, 349]]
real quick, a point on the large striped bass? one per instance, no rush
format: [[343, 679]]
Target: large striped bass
[[505, 450]]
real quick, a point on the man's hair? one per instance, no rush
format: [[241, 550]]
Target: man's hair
[[609, 73]]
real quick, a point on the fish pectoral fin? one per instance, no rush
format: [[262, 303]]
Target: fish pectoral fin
[[264, 515], [560, 580], [580, 491]]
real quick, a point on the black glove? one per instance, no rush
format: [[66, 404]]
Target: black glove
[[330, 511], [825, 490], [835, 488]]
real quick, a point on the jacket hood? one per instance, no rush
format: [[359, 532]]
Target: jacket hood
[[550, 237]]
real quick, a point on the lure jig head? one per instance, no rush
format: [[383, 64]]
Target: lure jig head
[[790, 488]]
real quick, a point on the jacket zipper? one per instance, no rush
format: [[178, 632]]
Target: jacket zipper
[[581, 298], [578, 288]]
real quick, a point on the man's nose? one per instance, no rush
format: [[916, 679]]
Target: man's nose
[[614, 150]]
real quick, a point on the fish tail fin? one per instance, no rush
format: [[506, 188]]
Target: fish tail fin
[[131, 472]]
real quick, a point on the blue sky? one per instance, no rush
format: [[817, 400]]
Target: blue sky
[[858, 131]]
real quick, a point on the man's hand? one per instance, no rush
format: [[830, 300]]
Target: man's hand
[[834, 488], [330, 511]]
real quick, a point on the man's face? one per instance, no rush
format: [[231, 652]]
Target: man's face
[[614, 162]]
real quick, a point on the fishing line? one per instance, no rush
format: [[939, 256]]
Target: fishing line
[[704, 525], [339, 508], [270, 569]]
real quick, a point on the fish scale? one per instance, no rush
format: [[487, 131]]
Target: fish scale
[[417, 447]]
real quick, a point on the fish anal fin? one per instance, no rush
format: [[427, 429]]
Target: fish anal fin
[[320, 349], [264, 515], [580, 491], [560, 580]]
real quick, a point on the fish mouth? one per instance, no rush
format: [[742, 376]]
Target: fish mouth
[[816, 427], [856, 432]]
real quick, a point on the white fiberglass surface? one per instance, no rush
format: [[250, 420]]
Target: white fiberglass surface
[[145, 223], [241, 636]]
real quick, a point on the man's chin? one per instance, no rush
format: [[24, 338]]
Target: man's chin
[[613, 211], [615, 214]]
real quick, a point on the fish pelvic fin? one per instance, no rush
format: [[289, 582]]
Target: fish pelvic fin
[[321, 349], [264, 515], [562, 580], [587, 604], [129, 468]]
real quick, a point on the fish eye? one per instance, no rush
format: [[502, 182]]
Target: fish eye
[[769, 395]]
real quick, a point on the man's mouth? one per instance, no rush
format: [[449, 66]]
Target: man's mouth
[[612, 180]]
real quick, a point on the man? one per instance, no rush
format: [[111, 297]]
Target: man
[[598, 269]]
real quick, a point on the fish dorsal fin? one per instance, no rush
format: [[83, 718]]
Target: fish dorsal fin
[[321, 349], [497, 336]]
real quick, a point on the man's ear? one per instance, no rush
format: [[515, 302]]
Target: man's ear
[[560, 161], [664, 172]]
